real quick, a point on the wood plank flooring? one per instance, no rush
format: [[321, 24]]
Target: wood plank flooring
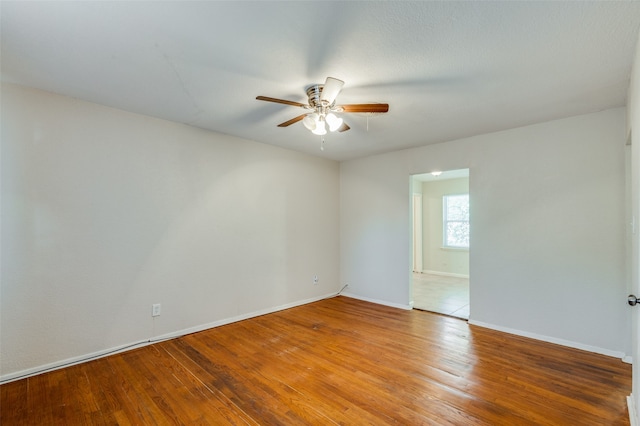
[[337, 361]]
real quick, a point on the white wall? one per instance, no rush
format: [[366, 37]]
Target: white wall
[[437, 258], [105, 213], [547, 228]]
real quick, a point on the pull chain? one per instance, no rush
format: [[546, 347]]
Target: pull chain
[[322, 144]]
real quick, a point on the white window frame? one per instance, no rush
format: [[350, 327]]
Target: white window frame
[[446, 221]]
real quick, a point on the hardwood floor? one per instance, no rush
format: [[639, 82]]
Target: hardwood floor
[[441, 294], [337, 361]]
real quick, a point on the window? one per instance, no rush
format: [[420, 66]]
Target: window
[[456, 220]]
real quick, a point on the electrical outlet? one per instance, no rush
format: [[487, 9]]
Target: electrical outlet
[[155, 310], [315, 279]]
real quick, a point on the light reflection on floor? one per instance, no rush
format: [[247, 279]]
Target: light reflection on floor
[[441, 294]]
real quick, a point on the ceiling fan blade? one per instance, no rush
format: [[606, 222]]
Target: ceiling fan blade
[[364, 108], [281, 101], [331, 89], [293, 120], [343, 128]]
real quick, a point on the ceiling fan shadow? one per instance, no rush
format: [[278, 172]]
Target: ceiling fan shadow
[[324, 39], [263, 113], [416, 84]]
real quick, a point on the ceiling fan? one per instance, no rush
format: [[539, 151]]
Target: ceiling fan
[[322, 108]]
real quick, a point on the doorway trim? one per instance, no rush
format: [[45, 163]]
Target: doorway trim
[[417, 232]]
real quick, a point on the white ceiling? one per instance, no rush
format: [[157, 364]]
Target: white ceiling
[[447, 69]]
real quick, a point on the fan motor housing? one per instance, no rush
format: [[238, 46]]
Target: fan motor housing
[[314, 92]]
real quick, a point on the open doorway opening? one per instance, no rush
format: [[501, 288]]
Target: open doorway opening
[[440, 249]]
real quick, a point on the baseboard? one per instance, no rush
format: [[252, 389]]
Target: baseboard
[[242, 317], [378, 301], [30, 372], [633, 411], [562, 342], [445, 274]]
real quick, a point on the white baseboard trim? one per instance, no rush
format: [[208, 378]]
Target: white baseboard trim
[[242, 317], [30, 372], [378, 301], [444, 274], [633, 411], [562, 342]]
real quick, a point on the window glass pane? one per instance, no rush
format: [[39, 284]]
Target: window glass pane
[[457, 207], [457, 234]]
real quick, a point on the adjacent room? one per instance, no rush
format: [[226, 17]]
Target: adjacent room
[[441, 242], [223, 212]]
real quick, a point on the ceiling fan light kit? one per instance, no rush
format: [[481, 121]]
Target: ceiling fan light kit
[[333, 121], [323, 108]]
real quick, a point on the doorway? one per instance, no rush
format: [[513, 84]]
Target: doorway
[[440, 249]]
